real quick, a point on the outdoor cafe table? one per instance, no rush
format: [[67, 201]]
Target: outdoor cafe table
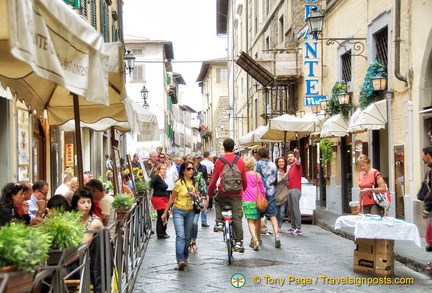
[[375, 227], [375, 239]]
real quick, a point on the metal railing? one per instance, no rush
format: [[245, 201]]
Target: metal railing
[[114, 256]]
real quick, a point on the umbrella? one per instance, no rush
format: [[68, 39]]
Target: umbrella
[[318, 120], [373, 117], [254, 137], [48, 52], [335, 126]]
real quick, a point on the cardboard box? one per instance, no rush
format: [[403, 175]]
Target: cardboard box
[[374, 257]]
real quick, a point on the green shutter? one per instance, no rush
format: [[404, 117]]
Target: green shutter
[[168, 78], [93, 14], [104, 20], [74, 3], [170, 132], [169, 102], [84, 11]]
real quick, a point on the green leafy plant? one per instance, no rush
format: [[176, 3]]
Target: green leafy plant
[[65, 228], [123, 201], [142, 185], [106, 185], [326, 151], [338, 88], [367, 94], [23, 246]]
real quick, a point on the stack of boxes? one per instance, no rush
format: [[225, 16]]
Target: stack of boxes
[[374, 257]]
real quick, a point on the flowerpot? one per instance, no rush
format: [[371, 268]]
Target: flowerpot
[[121, 214], [8, 269], [17, 282], [60, 256]]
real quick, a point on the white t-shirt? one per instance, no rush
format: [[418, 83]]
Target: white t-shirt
[[209, 165], [107, 210], [171, 177], [62, 189]]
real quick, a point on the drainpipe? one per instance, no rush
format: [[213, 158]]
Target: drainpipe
[[397, 42], [409, 216]]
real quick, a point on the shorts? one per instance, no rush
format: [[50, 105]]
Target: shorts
[[250, 210], [271, 209]]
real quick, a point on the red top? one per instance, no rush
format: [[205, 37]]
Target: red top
[[217, 173], [97, 210], [295, 175], [368, 182]]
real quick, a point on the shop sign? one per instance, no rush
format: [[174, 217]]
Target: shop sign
[[69, 154]]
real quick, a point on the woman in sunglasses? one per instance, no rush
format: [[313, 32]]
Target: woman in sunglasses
[[182, 197], [12, 194]]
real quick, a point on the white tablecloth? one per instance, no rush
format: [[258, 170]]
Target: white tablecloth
[[371, 227]]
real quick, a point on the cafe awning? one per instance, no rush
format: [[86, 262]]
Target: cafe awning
[[318, 121], [254, 137], [288, 127], [335, 126], [45, 45], [373, 117], [258, 72]]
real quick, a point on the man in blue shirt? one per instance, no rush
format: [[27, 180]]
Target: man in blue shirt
[[37, 201], [268, 171]]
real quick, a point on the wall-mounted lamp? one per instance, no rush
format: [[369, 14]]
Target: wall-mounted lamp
[[300, 113], [379, 83], [144, 96], [316, 109], [344, 98], [129, 61], [315, 26], [324, 105]]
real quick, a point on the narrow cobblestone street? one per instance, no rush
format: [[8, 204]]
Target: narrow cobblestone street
[[318, 255]]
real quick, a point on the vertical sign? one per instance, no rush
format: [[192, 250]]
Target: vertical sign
[[312, 63], [69, 153]]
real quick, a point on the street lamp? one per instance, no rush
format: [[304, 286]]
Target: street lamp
[[315, 26], [144, 96], [129, 61]]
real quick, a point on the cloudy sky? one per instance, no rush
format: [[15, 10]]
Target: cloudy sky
[[189, 24]]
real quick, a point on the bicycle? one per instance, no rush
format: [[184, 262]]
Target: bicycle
[[228, 231]]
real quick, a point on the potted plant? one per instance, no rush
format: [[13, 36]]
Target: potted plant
[[142, 186], [22, 248], [367, 93], [326, 148], [338, 88], [122, 203], [67, 233]]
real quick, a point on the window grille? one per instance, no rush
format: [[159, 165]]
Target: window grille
[[346, 66], [381, 38]]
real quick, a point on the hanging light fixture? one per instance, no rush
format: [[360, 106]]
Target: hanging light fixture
[[129, 61], [144, 96]]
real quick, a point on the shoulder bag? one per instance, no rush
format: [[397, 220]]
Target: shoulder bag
[[261, 201], [382, 199], [424, 189]]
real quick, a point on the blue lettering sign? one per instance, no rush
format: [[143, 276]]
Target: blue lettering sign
[[310, 85], [314, 100], [312, 50], [311, 67]]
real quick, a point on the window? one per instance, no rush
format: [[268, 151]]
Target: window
[[346, 66], [138, 73], [136, 52], [281, 30], [380, 38], [105, 29], [222, 75], [93, 14]]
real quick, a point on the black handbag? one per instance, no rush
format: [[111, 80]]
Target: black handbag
[[424, 189]]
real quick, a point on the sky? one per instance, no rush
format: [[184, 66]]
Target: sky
[[189, 24]]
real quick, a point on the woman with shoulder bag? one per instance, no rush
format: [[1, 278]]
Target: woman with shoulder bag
[[368, 179], [255, 188], [182, 198], [281, 190]]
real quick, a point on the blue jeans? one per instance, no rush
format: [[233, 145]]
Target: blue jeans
[[183, 222], [204, 216], [280, 214], [195, 226]]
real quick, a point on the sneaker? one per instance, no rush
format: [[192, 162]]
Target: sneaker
[[296, 232], [289, 231], [218, 227], [205, 225], [238, 247], [277, 242]]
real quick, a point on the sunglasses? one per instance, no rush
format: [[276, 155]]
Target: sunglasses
[[162, 157], [17, 187], [190, 168], [44, 193]]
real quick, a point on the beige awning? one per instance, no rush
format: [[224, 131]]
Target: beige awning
[[374, 117], [45, 46], [61, 110], [335, 126], [318, 121]]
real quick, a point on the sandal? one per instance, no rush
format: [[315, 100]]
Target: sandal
[[194, 246]]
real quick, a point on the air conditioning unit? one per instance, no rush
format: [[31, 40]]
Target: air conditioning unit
[[350, 86]]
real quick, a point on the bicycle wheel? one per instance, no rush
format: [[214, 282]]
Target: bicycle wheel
[[229, 243]]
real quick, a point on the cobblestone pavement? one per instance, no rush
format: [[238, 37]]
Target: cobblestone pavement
[[318, 256]]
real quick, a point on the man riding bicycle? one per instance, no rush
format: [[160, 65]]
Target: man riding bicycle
[[234, 199]]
